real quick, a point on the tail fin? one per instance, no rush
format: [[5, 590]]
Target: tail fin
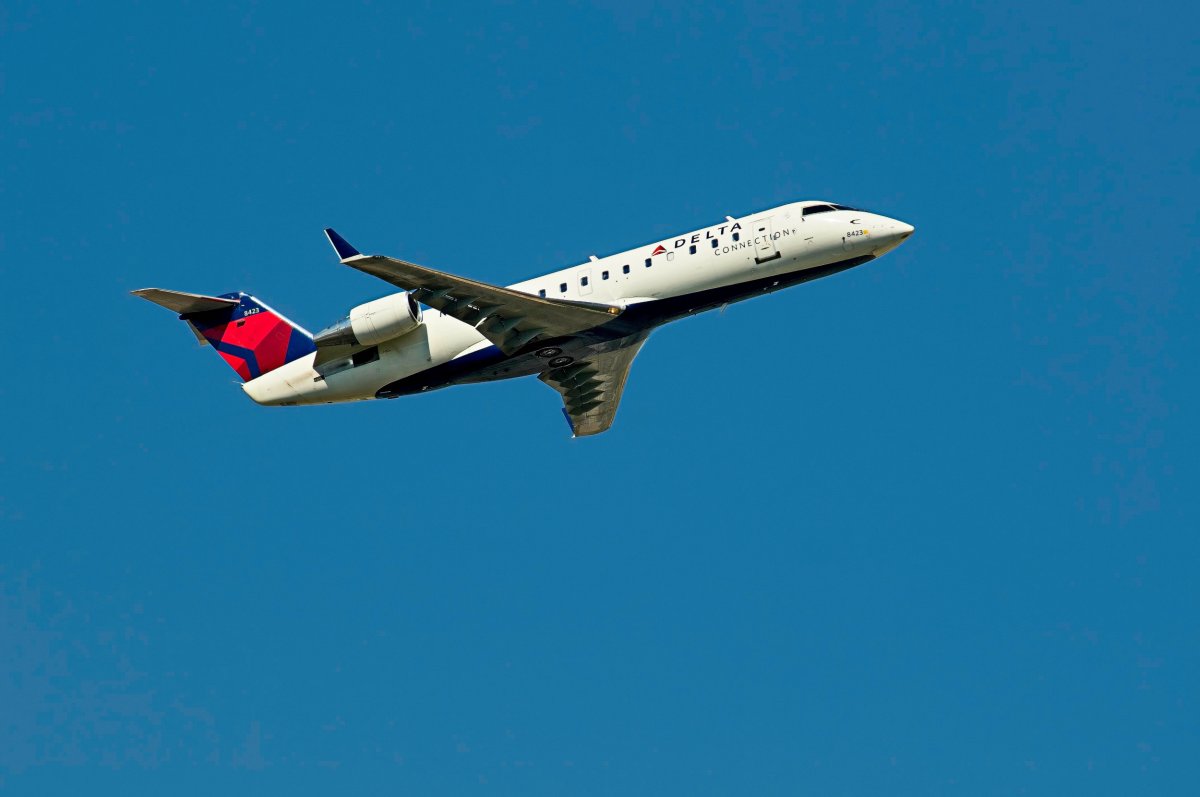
[[251, 337]]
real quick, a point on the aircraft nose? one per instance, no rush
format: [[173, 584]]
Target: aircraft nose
[[893, 233]]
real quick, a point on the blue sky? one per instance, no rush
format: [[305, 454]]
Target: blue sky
[[925, 527]]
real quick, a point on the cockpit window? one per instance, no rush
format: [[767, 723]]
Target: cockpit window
[[808, 211], [846, 207]]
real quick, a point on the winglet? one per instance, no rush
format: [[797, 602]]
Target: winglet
[[570, 422], [340, 245]]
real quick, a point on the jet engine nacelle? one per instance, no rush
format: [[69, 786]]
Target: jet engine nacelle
[[374, 322]]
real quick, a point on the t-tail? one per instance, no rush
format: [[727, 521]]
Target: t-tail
[[251, 337]]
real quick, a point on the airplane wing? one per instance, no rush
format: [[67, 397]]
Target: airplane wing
[[510, 319], [591, 387]]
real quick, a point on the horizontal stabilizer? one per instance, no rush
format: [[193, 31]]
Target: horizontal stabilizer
[[184, 303]]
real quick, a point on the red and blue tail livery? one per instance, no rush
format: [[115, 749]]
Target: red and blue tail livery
[[251, 337]]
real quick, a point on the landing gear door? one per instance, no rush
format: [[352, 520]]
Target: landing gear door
[[764, 241]]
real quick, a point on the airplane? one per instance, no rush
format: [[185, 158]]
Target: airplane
[[577, 329]]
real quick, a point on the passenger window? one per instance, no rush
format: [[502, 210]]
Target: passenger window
[[583, 281], [692, 249], [542, 293], [624, 269], [562, 287], [647, 262], [715, 242], [737, 237], [604, 275]]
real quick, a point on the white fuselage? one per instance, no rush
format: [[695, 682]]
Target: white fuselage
[[782, 240]]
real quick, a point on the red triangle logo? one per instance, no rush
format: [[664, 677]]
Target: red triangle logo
[[658, 250]]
